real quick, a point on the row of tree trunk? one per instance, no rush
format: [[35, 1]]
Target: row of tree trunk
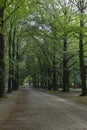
[[13, 59], [13, 56]]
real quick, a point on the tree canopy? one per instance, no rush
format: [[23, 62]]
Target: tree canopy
[[44, 42]]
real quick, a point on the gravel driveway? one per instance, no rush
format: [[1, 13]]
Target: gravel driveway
[[35, 110]]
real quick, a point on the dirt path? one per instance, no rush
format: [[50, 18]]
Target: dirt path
[[35, 110]]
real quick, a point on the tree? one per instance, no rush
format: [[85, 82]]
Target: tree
[[2, 65], [51, 32], [81, 5]]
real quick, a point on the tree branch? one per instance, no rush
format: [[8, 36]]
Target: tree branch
[[11, 14]]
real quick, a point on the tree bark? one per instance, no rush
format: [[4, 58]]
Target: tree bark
[[82, 7], [49, 79], [2, 65], [10, 58], [34, 81], [54, 80], [82, 64], [13, 60], [17, 68], [65, 77]]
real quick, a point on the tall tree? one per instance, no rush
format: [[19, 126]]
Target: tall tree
[[81, 5], [10, 58], [2, 65]]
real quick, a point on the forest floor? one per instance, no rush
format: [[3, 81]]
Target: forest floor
[[72, 95], [6, 105], [30, 109]]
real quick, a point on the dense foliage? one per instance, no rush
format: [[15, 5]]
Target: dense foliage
[[44, 43]]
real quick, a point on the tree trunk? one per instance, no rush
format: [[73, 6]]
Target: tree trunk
[[54, 74], [10, 58], [41, 72], [9, 85], [17, 68], [82, 64], [2, 65], [49, 79], [54, 82], [13, 60], [65, 77], [34, 81]]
